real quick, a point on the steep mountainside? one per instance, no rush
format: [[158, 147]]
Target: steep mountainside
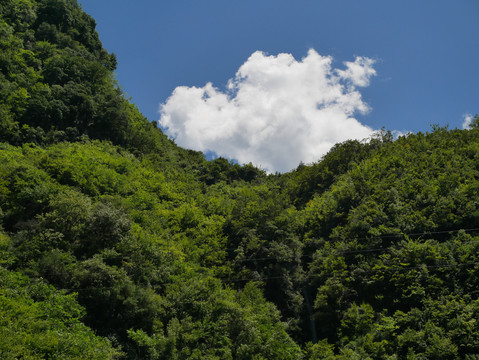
[[116, 243]]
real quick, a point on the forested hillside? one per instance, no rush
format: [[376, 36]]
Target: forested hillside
[[117, 244]]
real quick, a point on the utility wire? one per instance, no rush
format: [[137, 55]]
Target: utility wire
[[339, 252], [346, 252], [311, 276], [378, 237], [411, 234]]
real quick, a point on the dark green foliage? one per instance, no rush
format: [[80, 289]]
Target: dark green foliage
[[306, 181], [108, 230], [39, 322], [221, 169], [127, 236], [55, 76], [204, 321]]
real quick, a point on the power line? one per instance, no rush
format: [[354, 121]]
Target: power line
[[449, 265], [260, 278], [345, 252], [338, 252], [378, 237]]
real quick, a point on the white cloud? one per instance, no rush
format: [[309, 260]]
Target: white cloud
[[467, 121], [398, 133], [276, 112]]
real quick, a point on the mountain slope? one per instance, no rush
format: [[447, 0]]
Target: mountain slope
[[116, 241]]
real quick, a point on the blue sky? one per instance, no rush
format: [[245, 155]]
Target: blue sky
[[425, 57]]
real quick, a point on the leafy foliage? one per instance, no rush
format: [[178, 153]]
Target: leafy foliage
[[115, 243], [39, 322]]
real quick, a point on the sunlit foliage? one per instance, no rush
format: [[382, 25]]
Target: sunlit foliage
[[115, 243]]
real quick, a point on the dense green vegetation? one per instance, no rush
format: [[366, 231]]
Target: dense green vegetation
[[115, 243]]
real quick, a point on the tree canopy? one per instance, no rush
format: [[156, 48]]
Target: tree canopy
[[117, 244]]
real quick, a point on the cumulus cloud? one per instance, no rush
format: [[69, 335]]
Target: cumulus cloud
[[275, 112], [467, 121]]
